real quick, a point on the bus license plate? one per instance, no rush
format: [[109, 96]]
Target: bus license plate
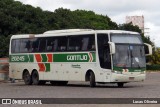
[[131, 78]]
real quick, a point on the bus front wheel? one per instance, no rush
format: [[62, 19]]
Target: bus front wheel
[[92, 79], [27, 78]]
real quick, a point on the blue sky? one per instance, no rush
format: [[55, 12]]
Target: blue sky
[[117, 10]]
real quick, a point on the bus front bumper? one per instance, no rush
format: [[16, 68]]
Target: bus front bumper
[[127, 78]]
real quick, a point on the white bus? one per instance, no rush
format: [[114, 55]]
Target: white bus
[[97, 56]]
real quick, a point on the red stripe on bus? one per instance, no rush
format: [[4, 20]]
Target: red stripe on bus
[[50, 59], [41, 67], [38, 57]]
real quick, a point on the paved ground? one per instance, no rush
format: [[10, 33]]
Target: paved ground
[[150, 88]]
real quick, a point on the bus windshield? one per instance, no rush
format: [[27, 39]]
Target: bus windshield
[[129, 56], [129, 51], [126, 38]]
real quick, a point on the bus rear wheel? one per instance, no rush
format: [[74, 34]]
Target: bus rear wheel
[[35, 78], [27, 78], [92, 79]]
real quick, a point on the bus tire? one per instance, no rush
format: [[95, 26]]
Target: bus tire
[[120, 84], [35, 78], [27, 78], [92, 80]]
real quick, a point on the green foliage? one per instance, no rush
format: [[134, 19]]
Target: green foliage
[[4, 44], [155, 58], [147, 39], [17, 18], [88, 19], [130, 27], [153, 67], [66, 19]]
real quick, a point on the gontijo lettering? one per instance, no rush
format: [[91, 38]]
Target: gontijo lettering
[[76, 57]]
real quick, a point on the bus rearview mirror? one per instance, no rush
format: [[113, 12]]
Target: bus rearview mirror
[[112, 47], [148, 49]]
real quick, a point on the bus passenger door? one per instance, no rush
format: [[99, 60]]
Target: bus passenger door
[[105, 63], [104, 56]]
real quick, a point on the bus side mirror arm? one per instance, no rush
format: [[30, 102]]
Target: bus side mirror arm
[[112, 47], [149, 49]]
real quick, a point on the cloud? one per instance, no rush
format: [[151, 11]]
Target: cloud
[[49, 5], [154, 33]]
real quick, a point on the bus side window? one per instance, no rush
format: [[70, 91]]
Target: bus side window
[[13, 46], [16, 44], [85, 41], [42, 45], [23, 47], [74, 43], [91, 44], [50, 43], [35, 45], [88, 43], [62, 43], [55, 47], [28, 46]]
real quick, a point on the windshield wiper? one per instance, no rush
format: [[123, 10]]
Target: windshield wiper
[[138, 65], [131, 58]]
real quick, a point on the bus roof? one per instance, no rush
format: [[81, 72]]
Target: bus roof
[[116, 31], [70, 31], [66, 31]]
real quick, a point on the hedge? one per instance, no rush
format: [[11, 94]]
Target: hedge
[[153, 67]]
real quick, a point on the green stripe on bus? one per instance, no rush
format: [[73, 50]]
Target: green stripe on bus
[[31, 57], [66, 57], [47, 65], [44, 57], [79, 57], [21, 58]]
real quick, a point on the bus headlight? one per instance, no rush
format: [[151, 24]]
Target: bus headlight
[[117, 72]]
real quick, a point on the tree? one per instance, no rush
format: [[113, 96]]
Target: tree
[[4, 44], [130, 27], [155, 58]]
